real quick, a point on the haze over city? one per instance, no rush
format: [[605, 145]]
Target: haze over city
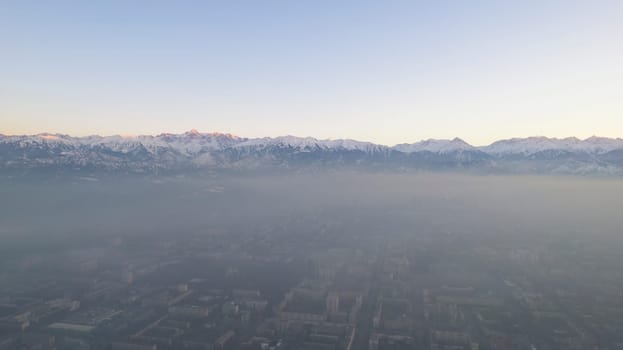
[[311, 175]]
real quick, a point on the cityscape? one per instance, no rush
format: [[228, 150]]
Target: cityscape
[[311, 175], [345, 277]]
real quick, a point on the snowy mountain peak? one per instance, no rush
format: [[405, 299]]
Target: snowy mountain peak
[[309, 143], [192, 132], [536, 144], [436, 146]]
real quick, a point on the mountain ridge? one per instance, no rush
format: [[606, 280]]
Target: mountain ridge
[[193, 149]]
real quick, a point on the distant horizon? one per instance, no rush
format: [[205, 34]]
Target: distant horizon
[[306, 136]]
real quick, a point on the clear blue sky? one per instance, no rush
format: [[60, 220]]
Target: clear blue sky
[[382, 71]]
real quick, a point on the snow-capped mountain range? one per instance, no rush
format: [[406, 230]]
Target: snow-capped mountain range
[[195, 150]]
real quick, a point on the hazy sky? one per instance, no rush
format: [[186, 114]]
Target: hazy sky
[[382, 71]]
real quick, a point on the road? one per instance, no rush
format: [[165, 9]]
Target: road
[[363, 328]]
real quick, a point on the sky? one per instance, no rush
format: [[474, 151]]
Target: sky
[[380, 71]]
